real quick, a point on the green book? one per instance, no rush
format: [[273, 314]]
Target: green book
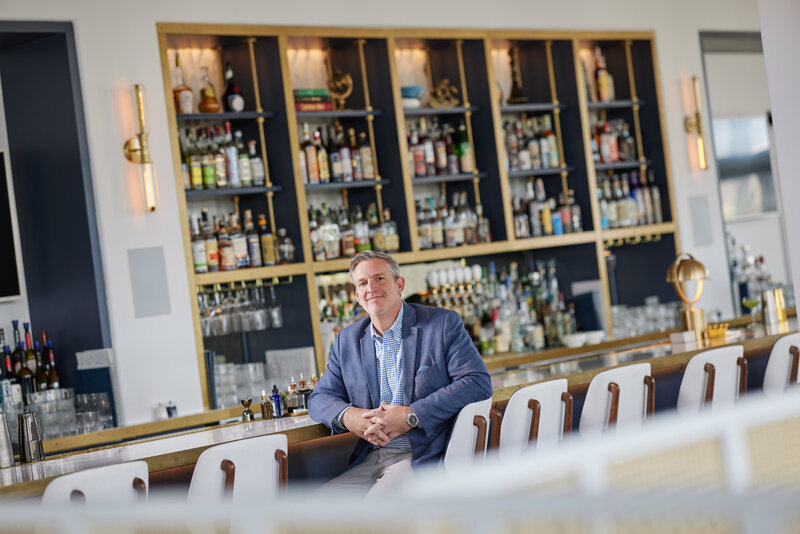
[[311, 92]]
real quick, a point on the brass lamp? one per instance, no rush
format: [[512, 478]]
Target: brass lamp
[[684, 269], [137, 150]]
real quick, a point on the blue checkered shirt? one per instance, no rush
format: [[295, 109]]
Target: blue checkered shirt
[[388, 350]]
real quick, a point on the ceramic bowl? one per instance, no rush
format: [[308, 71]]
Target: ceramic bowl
[[574, 340]]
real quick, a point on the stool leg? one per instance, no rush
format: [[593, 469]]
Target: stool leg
[[613, 387], [536, 408], [742, 363], [480, 444], [140, 488], [496, 418], [795, 352], [710, 376], [650, 382], [283, 467]]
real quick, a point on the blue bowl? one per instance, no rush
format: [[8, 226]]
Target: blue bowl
[[411, 91]]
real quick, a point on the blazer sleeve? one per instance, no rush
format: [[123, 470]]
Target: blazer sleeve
[[469, 379], [329, 397]]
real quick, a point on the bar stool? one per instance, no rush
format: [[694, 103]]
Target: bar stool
[[536, 417], [469, 436], [246, 469], [782, 364], [118, 483], [714, 377], [621, 397]]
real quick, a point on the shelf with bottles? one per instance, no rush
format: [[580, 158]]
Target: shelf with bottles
[[518, 109], [426, 112], [193, 118], [338, 114], [630, 199], [336, 160], [633, 235], [547, 211], [535, 173], [621, 165], [614, 104], [231, 191], [335, 186], [443, 178], [605, 72]]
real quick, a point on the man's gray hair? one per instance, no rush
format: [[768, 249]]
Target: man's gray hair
[[361, 257]]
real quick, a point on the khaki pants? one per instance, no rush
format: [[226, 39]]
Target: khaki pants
[[381, 471]]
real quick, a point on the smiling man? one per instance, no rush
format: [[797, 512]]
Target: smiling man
[[396, 379]]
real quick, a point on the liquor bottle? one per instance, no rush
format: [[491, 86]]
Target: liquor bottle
[[344, 154], [26, 378], [648, 199], [577, 216], [547, 218], [308, 158], [512, 147], [532, 207], [390, 232], [232, 99], [637, 192], [322, 158], [376, 235], [605, 83], [211, 244], [220, 159], [227, 258], [330, 234], [428, 148], [317, 246], [193, 160], [552, 141], [469, 221], [533, 143], [655, 194], [285, 249], [361, 231], [208, 96], [524, 153], [295, 402], [268, 246], [256, 165], [348, 237], [11, 376], [253, 240], [6, 396], [355, 156], [555, 214], [277, 402], [53, 382], [30, 355], [231, 158], [417, 149], [334, 157], [566, 212], [437, 225], [611, 203], [303, 389], [423, 226], [41, 367], [544, 145], [367, 159], [440, 147], [266, 409], [464, 150], [627, 144], [207, 161], [452, 157], [17, 338], [184, 97], [199, 254], [521, 224], [239, 243], [244, 167]]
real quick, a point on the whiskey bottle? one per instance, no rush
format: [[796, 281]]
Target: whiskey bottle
[[322, 158], [308, 158], [423, 226], [390, 232], [227, 258], [337, 174], [348, 237], [184, 97], [440, 147], [344, 155], [605, 82], [428, 148], [256, 165], [268, 245], [552, 141], [317, 246], [437, 225], [533, 144], [211, 244], [418, 167], [239, 243], [361, 231], [367, 160], [655, 194], [355, 156], [243, 161], [231, 158], [220, 160], [464, 150], [285, 250], [253, 240], [208, 96], [484, 226], [469, 221], [330, 235], [232, 98]]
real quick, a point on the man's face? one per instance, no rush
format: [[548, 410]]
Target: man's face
[[376, 289]]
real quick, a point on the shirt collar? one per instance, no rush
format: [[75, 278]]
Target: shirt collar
[[394, 331]]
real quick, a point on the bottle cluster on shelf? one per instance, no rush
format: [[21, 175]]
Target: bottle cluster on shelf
[[603, 88], [438, 151], [531, 145], [213, 160], [232, 99], [612, 142], [335, 159], [451, 227], [536, 215], [337, 234], [222, 244], [629, 199], [509, 311], [31, 367]]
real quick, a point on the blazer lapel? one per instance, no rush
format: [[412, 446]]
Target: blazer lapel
[[410, 352], [369, 359]]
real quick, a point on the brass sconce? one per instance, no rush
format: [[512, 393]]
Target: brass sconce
[[137, 150], [693, 124], [684, 269]]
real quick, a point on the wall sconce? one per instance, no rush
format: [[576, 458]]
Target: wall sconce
[[137, 150], [693, 124]]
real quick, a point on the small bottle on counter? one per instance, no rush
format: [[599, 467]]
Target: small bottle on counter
[[266, 409], [277, 402]]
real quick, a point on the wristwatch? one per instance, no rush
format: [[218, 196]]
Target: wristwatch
[[412, 420]]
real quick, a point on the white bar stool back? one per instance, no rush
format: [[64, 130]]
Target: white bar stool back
[[111, 484], [715, 377], [470, 435], [242, 470], [620, 398], [536, 417], [782, 365]]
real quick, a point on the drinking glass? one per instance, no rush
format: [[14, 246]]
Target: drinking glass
[[752, 306]]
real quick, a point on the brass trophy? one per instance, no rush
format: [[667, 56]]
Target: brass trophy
[[247, 414], [340, 83], [685, 269], [443, 95], [516, 96]]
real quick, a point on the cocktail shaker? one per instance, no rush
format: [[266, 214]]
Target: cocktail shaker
[[30, 438]]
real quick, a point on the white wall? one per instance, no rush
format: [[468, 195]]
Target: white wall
[[779, 22], [117, 46]]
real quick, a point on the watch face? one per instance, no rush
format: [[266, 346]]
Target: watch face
[[412, 420]]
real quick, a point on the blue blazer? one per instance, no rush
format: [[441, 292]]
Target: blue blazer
[[442, 373]]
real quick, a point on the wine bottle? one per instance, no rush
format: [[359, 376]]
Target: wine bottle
[[41, 368], [53, 382], [184, 97], [232, 99], [27, 381]]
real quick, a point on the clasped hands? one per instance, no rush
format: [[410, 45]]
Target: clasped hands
[[378, 426]]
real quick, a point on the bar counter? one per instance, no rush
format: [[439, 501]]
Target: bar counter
[[179, 451]]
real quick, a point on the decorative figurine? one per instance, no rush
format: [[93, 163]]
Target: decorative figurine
[[340, 85], [443, 95], [516, 96], [247, 414]]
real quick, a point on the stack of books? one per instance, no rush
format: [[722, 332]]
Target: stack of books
[[312, 100]]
